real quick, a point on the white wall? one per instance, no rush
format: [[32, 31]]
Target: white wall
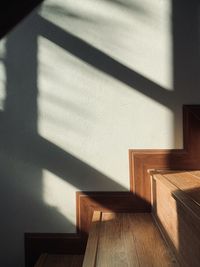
[[80, 85], [87, 112]]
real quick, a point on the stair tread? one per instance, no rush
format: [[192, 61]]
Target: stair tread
[[187, 181], [130, 239], [185, 186], [53, 260]]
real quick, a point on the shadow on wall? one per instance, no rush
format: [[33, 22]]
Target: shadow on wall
[[24, 153]]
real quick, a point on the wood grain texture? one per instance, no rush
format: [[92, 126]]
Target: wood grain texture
[[177, 213], [87, 202], [188, 182], [46, 260], [162, 159], [127, 239], [93, 240]]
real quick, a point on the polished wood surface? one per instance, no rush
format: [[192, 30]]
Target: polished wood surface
[[176, 159], [128, 239], [188, 182], [47, 260], [93, 240], [88, 202], [176, 208]]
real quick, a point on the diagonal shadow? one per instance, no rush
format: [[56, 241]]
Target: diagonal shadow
[[21, 146], [103, 62]]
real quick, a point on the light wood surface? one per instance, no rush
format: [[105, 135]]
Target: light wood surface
[[47, 260], [131, 240], [93, 240], [176, 207], [188, 182]]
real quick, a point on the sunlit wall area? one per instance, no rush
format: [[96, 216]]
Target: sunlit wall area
[[136, 33], [93, 116], [90, 114], [81, 82], [97, 106]]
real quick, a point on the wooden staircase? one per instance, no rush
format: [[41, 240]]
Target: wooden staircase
[[169, 236], [124, 232]]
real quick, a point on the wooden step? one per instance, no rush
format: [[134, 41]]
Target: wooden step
[[47, 260], [176, 208], [124, 239]]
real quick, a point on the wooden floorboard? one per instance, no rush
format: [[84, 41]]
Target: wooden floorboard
[[93, 240], [131, 240]]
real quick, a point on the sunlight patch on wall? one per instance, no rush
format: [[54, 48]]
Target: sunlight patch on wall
[[2, 74], [93, 116], [134, 32], [60, 195]]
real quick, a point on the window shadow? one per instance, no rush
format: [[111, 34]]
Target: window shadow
[[24, 153]]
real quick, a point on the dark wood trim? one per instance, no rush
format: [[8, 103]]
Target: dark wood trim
[[38, 243], [141, 161]]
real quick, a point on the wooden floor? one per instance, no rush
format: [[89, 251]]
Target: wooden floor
[[47, 260], [123, 239]]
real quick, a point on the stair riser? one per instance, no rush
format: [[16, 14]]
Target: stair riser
[[179, 225]]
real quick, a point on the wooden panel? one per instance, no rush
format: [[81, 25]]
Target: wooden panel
[[41, 261], [178, 216], [188, 182], [131, 240], [87, 202], [164, 208], [46, 260], [39, 243], [93, 240], [176, 159]]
